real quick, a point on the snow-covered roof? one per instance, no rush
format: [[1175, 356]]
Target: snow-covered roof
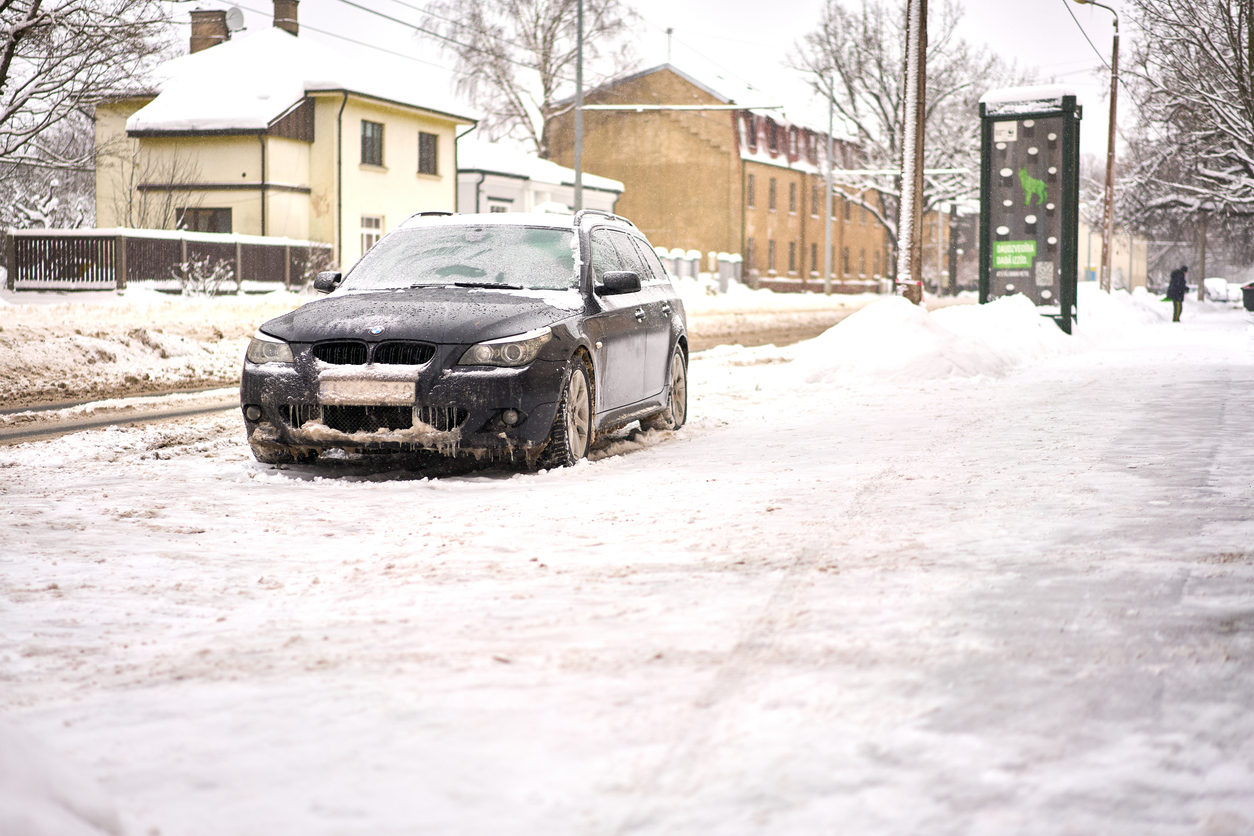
[[494, 158], [249, 81], [1027, 99]]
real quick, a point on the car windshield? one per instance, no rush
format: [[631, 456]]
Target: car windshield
[[469, 256]]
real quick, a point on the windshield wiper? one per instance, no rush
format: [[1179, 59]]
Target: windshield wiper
[[488, 284]]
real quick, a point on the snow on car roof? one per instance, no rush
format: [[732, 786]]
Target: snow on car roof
[[536, 219]]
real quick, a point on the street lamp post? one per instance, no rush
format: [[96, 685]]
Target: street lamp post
[[1108, 210]]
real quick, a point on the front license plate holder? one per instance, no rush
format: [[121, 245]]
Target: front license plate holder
[[367, 392]]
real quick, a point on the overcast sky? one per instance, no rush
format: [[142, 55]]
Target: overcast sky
[[750, 41]]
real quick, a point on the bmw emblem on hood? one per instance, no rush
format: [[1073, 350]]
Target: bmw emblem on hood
[[378, 329]]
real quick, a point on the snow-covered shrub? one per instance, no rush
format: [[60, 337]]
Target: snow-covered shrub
[[206, 277]]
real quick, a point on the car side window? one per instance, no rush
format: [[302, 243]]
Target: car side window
[[649, 257], [605, 256], [629, 256]]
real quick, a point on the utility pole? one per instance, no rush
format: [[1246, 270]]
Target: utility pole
[[827, 215], [579, 107], [910, 219], [1108, 210]]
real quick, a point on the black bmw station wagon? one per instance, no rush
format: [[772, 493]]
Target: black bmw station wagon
[[517, 337]]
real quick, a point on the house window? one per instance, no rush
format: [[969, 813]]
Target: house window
[[749, 254], [862, 214], [848, 206], [750, 192], [792, 198], [371, 143], [770, 196], [204, 220], [496, 208], [792, 256], [814, 258], [792, 141], [428, 153], [772, 136], [862, 263], [876, 270], [751, 131], [770, 255], [371, 231], [844, 261], [814, 200]]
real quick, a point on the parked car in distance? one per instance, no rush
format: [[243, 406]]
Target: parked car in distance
[[509, 336]]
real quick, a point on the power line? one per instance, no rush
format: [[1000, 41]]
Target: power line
[[360, 43], [1085, 34], [438, 36]]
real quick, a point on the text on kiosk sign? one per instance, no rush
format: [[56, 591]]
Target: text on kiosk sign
[[1009, 255]]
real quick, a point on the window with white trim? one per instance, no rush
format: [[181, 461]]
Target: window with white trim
[[371, 231]]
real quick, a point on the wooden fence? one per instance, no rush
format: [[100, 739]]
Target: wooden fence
[[105, 259]]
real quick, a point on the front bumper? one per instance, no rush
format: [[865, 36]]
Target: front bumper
[[309, 405]]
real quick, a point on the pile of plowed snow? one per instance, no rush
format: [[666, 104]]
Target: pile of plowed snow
[[892, 340]]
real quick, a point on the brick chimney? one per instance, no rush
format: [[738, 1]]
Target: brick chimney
[[285, 16], [209, 28]]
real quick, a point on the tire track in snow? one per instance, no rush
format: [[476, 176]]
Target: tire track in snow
[[675, 775]]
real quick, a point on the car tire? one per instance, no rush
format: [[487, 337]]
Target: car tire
[[571, 435], [676, 412]]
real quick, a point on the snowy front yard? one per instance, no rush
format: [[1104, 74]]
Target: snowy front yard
[[948, 573]]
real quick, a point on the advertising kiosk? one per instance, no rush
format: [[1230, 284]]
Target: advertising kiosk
[[1029, 197]]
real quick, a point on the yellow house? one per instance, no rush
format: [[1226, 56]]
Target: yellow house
[[264, 133]]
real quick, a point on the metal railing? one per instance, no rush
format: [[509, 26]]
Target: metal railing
[[106, 259]]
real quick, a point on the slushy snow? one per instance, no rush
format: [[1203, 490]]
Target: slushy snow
[[943, 573]]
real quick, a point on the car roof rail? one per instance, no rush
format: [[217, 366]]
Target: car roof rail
[[435, 213], [579, 216]]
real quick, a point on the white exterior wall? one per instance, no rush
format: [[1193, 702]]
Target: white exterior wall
[[395, 190], [1129, 263], [478, 191]]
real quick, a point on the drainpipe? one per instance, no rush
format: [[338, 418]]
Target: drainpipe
[[261, 138], [479, 189], [339, 182]]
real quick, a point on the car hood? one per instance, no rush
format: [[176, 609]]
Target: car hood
[[455, 315]]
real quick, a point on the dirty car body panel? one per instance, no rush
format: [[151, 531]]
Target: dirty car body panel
[[457, 334]]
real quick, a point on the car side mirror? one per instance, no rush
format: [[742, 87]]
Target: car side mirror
[[615, 282], [328, 281]]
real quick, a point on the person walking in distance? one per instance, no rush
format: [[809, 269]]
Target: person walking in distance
[[1176, 290]]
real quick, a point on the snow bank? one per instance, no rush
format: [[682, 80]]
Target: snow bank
[[893, 340], [43, 795]]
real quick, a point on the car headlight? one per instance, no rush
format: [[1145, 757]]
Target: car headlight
[[509, 351], [263, 348]]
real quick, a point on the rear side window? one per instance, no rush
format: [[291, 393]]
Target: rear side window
[[649, 257]]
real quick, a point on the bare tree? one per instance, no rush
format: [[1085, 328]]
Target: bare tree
[[45, 193], [1190, 161], [135, 207], [516, 58], [59, 56], [1193, 69], [856, 58]]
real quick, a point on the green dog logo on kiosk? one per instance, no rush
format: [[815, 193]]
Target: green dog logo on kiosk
[[1032, 188]]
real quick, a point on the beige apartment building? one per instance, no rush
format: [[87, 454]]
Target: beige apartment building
[[725, 180], [265, 133]]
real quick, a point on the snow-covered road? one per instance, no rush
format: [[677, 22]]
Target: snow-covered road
[[928, 574]]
